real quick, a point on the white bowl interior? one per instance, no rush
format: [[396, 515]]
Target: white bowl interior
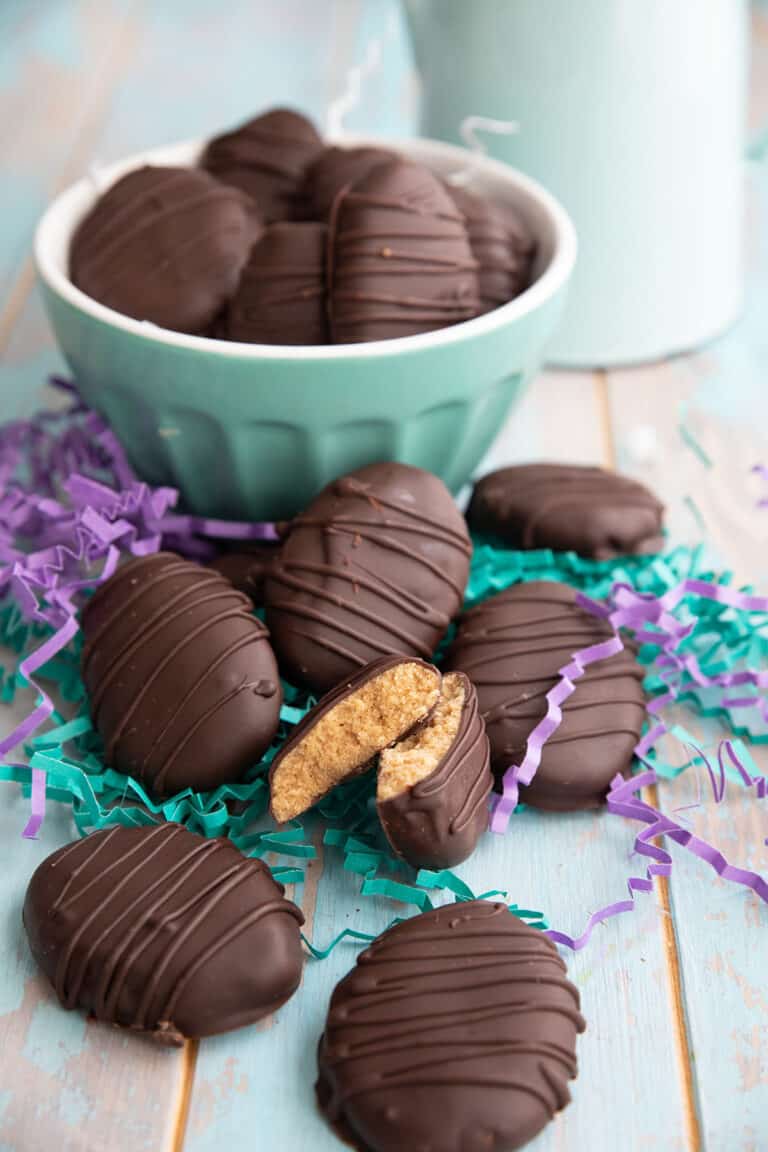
[[546, 220]]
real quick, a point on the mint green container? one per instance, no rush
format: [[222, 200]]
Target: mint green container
[[253, 431], [634, 113]]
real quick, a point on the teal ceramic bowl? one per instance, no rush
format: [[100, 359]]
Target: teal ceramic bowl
[[253, 430]]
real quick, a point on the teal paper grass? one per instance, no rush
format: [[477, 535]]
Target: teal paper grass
[[69, 751]]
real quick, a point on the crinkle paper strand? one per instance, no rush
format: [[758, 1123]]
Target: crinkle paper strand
[[71, 506]]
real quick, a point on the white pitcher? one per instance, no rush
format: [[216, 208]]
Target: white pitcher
[[633, 112]]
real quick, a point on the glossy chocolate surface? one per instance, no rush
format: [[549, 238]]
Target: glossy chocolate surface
[[568, 507], [266, 158], [456, 1030], [376, 565], [503, 251], [159, 930], [400, 258], [247, 570], [438, 821], [333, 170], [182, 680], [511, 647], [164, 245], [281, 296]]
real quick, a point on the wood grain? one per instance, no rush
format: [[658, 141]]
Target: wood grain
[[241, 1083], [68, 57], [66, 1083], [719, 929], [675, 1054], [673, 963]]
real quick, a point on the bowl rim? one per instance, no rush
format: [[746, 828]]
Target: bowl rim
[[551, 280]]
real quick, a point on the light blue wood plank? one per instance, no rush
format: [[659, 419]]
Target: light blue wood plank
[[52, 61], [66, 1083], [200, 68], [261, 1080], [26, 362], [721, 932], [57, 67], [720, 928]]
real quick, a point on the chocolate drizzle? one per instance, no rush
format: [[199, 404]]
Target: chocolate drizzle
[[400, 260], [456, 1030], [567, 507], [281, 295], [376, 565], [159, 930], [511, 646], [183, 684], [247, 570], [503, 252], [335, 169], [437, 822], [266, 158], [164, 245]]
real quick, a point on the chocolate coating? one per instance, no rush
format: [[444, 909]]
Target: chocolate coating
[[400, 260], [438, 821], [333, 170], [161, 931], [281, 295], [456, 1031], [511, 646], [568, 507], [266, 158], [376, 565], [247, 570], [503, 252], [183, 684], [164, 245]]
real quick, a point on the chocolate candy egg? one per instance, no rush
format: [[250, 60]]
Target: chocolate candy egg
[[455, 1031], [164, 245], [281, 295], [159, 930], [335, 169], [568, 507], [266, 158], [500, 246], [376, 565], [182, 681], [511, 646], [400, 259], [432, 787], [247, 569]]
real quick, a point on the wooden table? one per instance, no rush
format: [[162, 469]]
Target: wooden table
[[676, 1055]]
